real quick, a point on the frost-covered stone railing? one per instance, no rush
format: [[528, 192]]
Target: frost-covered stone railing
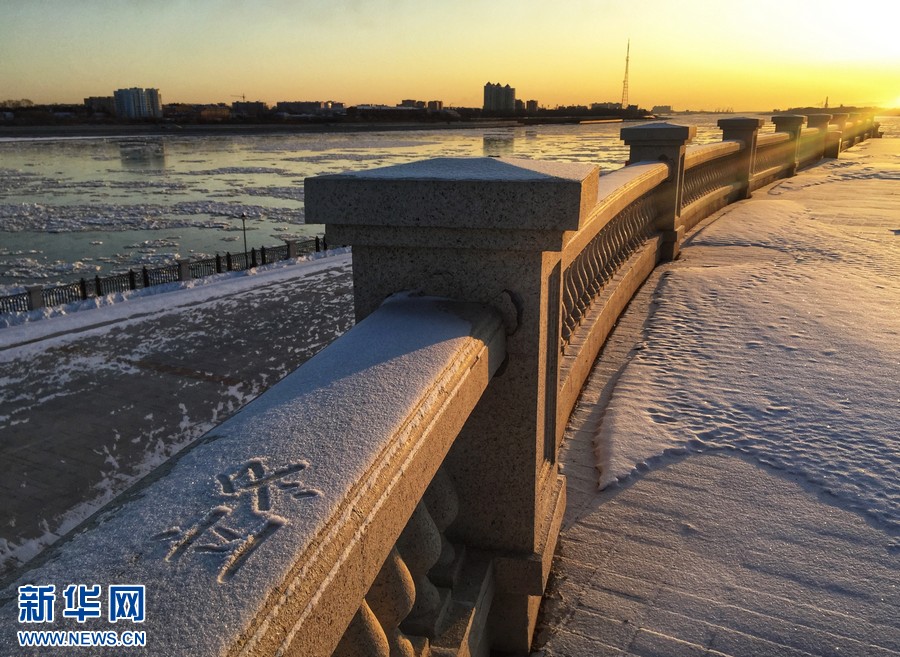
[[323, 501]]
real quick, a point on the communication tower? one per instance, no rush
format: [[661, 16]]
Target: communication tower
[[625, 82]]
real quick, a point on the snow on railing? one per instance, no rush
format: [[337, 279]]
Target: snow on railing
[[323, 504]]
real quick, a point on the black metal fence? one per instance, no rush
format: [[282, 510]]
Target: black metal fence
[[99, 286]]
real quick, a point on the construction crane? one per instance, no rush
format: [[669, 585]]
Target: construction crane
[[625, 82], [241, 96]]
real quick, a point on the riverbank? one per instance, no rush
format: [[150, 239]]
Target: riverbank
[[213, 129], [86, 130]]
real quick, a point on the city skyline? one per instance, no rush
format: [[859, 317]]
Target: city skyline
[[697, 54]]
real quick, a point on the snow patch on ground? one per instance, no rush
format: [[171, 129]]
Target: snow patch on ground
[[777, 336], [203, 289]]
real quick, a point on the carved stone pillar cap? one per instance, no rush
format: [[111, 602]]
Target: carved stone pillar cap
[[789, 120], [741, 123], [485, 193], [818, 120], [658, 133], [839, 117]]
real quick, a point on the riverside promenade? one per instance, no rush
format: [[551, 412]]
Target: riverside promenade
[[742, 418], [765, 522]]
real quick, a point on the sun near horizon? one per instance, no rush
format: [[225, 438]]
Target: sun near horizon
[[696, 54]]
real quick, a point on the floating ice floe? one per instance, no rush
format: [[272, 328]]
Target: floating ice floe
[[17, 217]]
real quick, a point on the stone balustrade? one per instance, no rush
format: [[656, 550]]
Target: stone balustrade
[[399, 494], [265, 536]]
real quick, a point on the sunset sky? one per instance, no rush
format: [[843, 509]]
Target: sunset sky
[[692, 54]]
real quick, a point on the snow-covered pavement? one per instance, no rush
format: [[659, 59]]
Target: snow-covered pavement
[[92, 400], [744, 420]]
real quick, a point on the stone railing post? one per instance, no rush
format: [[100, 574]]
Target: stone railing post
[[184, 270], [746, 130], [840, 120], [291, 249], [488, 230], [856, 129], [791, 124], [35, 296], [870, 126], [819, 122], [836, 135], [664, 142]]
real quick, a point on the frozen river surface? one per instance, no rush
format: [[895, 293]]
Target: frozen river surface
[[79, 207]]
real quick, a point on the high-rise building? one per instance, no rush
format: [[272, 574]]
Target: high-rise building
[[499, 98], [531, 106], [137, 103]]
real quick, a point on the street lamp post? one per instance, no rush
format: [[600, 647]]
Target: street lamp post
[[244, 226]]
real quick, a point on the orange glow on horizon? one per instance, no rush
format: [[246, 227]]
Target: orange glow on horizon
[[695, 54]]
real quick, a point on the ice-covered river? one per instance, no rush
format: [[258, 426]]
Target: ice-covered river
[[79, 207]]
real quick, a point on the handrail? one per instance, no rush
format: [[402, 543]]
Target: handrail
[[772, 139], [701, 154], [299, 497], [615, 191]]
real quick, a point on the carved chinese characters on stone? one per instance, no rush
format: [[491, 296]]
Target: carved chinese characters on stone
[[234, 529]]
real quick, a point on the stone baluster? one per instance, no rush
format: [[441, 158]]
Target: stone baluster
[[420, 547], [791, 124], [664, 142], [747, 131], [443, 504], [391, 598], [364, 637]]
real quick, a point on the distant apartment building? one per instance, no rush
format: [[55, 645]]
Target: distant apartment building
[[104, 104], [435, 105], [606, 106], [415, 104], [499, 98], [253, 108], [520, 106], [137, 103], [531, 106], [309, 107], [214, 113], [661, 109]]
